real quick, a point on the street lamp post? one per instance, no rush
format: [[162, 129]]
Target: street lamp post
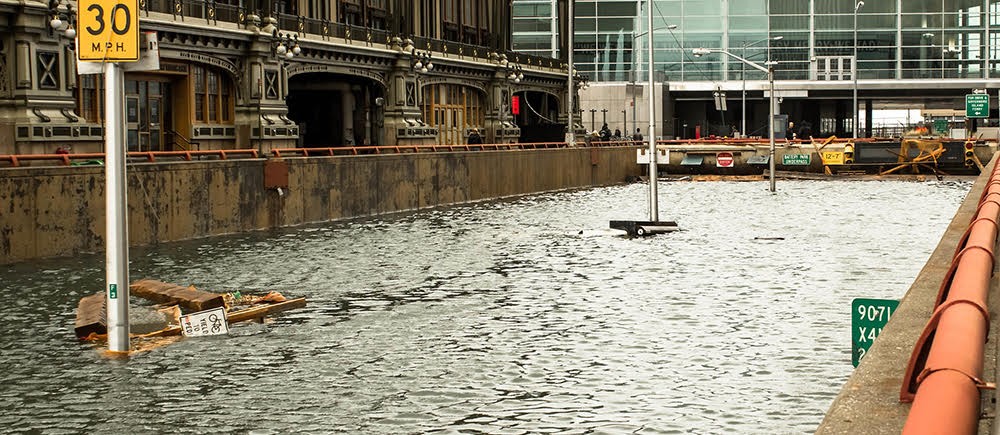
[[854, 68], [570, 88], [698, 52], [635, 70], [743, 109]]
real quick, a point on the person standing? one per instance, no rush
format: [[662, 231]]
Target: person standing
[[475, 138], [638, 135]]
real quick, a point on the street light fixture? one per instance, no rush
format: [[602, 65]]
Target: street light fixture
[[743, 111], [769, 69], [854, 67], [286, 45], [63, 17]]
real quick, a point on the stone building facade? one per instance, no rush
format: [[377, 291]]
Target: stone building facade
[[250, 74]]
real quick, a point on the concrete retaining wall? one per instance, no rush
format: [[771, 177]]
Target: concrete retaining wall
[[58, 211]]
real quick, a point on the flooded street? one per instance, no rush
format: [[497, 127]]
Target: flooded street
[[517, 316]]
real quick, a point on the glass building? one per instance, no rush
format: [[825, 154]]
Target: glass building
[[910, 54]]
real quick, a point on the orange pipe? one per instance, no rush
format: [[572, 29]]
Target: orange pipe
[[951, 411], [944, 376]]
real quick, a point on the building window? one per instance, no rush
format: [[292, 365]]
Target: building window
[[212, 96], [453, 109], [377, 14], [90, 98], [350, 12], [48, 70]]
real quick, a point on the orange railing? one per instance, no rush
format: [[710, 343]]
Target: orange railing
[[398, 149], [945, 370], [149, 156]]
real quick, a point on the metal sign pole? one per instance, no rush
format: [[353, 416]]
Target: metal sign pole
[[654, 207], [570, 90], [117, 222]]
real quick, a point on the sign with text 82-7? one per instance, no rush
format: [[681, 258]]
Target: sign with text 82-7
[[868, 317], [108, 31], [977, 106]]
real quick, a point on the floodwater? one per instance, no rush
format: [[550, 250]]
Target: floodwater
[[517, 316]]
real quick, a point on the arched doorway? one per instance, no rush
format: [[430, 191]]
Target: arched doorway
[[538, 116], [336, 110], [454, 110]]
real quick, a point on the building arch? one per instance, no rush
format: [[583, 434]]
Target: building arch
[[539, 115], [454, 109], [334, 109]]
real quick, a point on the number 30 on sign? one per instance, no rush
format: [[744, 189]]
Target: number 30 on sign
[[108, 31]]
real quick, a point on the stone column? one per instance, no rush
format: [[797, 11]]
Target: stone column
[[262, 114], [404, 124]]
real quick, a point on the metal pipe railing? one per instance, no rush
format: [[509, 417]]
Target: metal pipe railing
[[944, 375]]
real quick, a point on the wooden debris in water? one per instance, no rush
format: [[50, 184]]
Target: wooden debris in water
[[189, 298], [90, 314]]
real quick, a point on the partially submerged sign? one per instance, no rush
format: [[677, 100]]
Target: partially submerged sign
[[202, 323], [868, 317]]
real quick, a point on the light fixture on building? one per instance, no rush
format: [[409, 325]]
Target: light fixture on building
[[63, 17], [514, 73], [286, 45], [421, 61]]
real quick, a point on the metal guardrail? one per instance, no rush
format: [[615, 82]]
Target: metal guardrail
[[400, 149], [945, 374]]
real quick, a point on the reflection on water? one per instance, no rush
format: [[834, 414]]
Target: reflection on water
[[518, 316]]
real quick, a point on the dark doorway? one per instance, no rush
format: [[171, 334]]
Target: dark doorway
[[538, 118], [334, 110]]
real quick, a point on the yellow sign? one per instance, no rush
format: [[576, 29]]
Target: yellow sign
[[833, 157], [109, 30]]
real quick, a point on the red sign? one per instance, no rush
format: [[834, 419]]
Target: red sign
[[724, 160], [515, 105]]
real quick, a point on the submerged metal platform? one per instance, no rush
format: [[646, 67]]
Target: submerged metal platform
[[644, 228]]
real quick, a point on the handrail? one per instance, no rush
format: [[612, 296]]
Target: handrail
[[944, 374], [149, 156], [175, 133], [398, 149]]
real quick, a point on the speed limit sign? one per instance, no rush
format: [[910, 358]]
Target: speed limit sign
[[108, 30]]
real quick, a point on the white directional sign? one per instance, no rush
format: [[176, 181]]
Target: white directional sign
[[202, 323]]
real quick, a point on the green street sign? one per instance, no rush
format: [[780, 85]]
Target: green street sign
[[795, 159], [977, 106], [113, 291], [868, 317], [941, 125]]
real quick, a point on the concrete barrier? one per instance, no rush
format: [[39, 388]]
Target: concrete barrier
[[59, 211]]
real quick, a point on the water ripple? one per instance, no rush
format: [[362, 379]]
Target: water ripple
[[518, 316]]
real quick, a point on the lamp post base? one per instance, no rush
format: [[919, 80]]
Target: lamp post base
[[645, 228]]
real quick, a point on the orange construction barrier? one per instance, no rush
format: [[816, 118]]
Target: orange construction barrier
[[944, 374]]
